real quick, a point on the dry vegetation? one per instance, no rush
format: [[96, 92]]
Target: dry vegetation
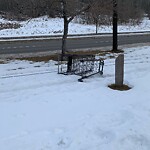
[[2, 62], [40, 58], [9, 26], [54, 57], [119, 88]]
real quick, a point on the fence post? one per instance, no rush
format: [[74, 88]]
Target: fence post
[[119, 70]]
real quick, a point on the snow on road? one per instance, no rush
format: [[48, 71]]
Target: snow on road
[[48, 111]]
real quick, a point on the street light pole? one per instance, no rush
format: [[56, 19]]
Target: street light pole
[[115, 26]]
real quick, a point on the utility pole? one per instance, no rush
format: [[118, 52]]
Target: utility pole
[[115, 26]]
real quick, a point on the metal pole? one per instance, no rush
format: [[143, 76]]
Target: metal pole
[[115, 26]]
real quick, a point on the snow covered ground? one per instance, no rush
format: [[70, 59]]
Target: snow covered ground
[[48, 26], [41, 110]]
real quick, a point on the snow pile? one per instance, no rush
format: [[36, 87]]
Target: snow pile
[[49, 26], [41, 110]]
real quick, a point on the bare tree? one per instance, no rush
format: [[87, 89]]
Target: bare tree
[[70, 9], [129, 12], [100, 12]]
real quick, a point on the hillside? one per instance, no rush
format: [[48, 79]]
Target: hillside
[[48, 26]]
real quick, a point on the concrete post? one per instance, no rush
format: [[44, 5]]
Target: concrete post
[[119, 70]]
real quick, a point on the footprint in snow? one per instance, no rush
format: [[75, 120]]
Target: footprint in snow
[[64, 142], [134, 142], [104, 136]]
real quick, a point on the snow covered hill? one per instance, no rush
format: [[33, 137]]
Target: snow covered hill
[[41, 110], [49, 26]]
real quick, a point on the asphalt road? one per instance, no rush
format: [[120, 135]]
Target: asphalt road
[[32, 46]]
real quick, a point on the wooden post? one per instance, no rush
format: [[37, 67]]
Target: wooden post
[[119, 70]]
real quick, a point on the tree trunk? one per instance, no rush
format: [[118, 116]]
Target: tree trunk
[[64, 39], [115, 26], [96, 27]]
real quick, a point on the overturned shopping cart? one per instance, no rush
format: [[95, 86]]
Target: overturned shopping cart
[[82, 65]]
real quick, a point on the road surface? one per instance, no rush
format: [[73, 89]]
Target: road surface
[[46, 45]]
